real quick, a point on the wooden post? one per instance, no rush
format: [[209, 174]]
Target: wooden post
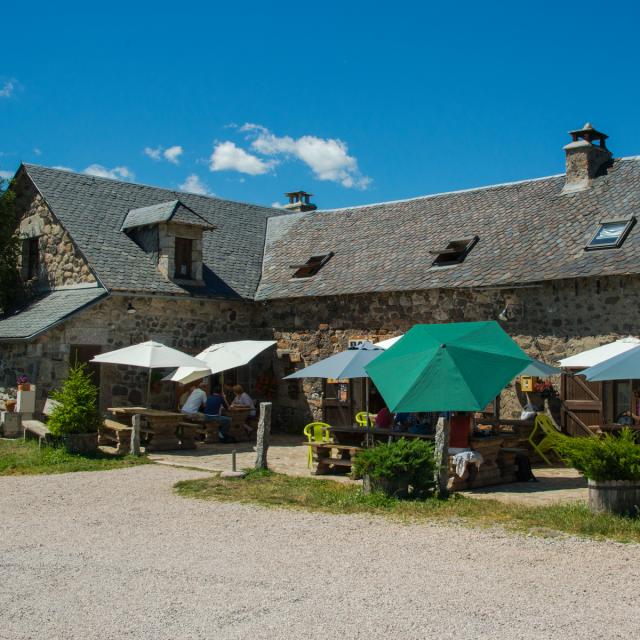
[[442, 458], [264, 429], [135, 435]]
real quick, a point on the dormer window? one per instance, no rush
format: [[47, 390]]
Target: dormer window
[[610, 234], [454, 253], [311, 267], [183, 258]]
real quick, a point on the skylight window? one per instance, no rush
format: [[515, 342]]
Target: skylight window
[[610, 234], [311, 266], [454, 253]]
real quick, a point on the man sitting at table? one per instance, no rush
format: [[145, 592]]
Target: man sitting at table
[[196, 400], [213, 408]]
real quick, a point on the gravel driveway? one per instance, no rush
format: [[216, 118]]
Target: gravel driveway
[[116, 555]]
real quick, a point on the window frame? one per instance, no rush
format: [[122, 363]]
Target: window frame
[[629, 222], [31, 257], [314, 264], [440, 259], [184, 242]]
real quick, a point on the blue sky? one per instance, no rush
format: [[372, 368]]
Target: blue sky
[[354, 101]]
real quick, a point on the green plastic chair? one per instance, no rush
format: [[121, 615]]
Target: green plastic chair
[[361, 419], [543, 424], [316, 432]]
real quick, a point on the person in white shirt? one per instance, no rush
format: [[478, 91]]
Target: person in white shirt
[[242, 399], [196, 400]]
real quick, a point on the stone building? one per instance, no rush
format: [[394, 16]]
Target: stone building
[[557, 259]]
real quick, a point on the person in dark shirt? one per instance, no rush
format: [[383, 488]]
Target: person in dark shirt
[[213, 408]]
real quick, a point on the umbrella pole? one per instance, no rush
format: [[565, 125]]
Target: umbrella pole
[[442, 457], [366, 406], [149, 389]]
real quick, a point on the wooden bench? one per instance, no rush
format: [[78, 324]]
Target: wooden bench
[[187, 434], [113, 433], [36, 427], [325, 460]]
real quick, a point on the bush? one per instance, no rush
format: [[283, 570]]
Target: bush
[[78, 408], [396, 466], [602, 459]]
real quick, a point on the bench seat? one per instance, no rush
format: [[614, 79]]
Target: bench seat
[[38, 429]]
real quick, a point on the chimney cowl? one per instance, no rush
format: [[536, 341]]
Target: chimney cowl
[[299, 201], [584, 159]]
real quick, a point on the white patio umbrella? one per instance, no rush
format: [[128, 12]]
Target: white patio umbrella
[[600, 354], [149, 355], [388, 343], [221, 357]]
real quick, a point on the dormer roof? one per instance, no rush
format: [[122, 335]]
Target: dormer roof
[[170, 211]]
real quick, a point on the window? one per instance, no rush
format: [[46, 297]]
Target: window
[[30, 258], [610, 234], [454, 253], [311, 266], [183, 258]]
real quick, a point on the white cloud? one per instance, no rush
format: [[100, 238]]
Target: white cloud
[[5, 175], [277, 205], [154, 154], [63, 168], [37, 151], [117, 173], [328, 158], [193, 184], [227, 156], [7, 89], [172, 154]]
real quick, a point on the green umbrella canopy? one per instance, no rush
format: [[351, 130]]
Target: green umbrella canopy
[[447, 367]]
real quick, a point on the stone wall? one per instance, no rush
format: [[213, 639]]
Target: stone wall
[[549, 322], [186, 324], [60, 261]]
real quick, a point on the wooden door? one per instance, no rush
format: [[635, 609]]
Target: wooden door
[[582, 403], [337, 403]]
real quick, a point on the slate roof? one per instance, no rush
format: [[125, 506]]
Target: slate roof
[[529, 231], [173, 210], [93, 209], [48, 310]]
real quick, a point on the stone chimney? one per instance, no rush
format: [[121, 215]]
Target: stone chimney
[[299, 202], [585, 160]]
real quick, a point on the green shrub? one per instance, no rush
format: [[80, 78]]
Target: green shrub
[[602, 459], [78, 408], [404, 462]]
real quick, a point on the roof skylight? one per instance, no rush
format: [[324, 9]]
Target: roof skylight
[[610, 234], [454, 253], [311, 266]]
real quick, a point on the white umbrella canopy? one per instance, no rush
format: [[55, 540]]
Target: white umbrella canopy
[[388, 343], [600, 354], [221, 357], [149, 355]]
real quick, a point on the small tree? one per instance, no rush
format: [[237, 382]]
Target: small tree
[[78, 408], [11, 293]]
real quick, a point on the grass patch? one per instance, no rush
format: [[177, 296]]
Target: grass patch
[[19, 457], [276, 490]]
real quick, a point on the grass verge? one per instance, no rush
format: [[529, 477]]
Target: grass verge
[[19, 457], [276, 490]]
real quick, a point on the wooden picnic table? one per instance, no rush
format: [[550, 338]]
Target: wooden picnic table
[[614, 427], [162, 426], [356, 434], [324, 458]]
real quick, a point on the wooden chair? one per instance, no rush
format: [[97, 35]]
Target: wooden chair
[[361, 419], [543, 424], [316, 432]]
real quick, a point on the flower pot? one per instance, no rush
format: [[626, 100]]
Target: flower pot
[[396, 487], [25, 386], [615, 496], [81, 442], [10, 405]]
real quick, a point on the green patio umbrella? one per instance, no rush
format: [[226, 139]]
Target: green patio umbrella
[[447, 367]]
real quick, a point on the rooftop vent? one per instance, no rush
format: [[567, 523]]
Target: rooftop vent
[[311, 266], [299, 202], [584, 159]]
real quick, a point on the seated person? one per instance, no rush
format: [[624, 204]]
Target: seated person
[[242, 399], [196, 400], [213, 409], [384, 419]]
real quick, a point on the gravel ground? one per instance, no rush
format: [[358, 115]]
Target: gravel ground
[[116, 555]]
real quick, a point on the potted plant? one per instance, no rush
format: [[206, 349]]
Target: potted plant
[[23, 383], [75, 420], [399, 469], [611, 464]]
